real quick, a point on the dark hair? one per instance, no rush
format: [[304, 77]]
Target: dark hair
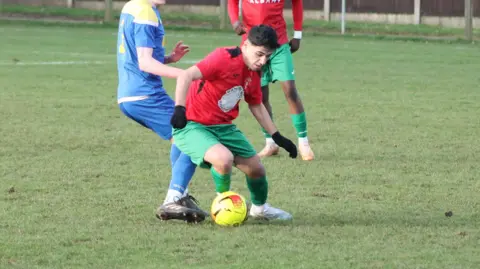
[[263, 36]]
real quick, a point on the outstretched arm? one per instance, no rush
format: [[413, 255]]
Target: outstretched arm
[[179, 117], [207, 69], [183, 83], [178, 52], [233, 11], [261, 114], [297, 12], [145, 27], [148, 64]]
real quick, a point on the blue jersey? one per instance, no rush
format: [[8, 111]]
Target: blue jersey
[[140, 26]]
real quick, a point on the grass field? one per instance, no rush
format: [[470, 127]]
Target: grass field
[[395, 127]]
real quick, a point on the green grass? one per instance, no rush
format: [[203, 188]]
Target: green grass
[[394, 126], [203, 21]]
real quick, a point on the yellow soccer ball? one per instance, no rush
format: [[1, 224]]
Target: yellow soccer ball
[[229, 209]]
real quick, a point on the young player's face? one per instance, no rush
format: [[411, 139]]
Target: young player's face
[[255, 56]]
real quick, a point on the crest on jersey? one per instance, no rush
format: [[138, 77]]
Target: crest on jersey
[[230, 99]]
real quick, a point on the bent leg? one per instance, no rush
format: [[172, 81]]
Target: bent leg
[[221, 160], [255, 177], [258, 186], [283, 71]]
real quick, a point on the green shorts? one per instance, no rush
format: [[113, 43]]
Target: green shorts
[[195, 139], [279, 67]]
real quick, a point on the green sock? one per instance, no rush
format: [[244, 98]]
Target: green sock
[[258, 190], [300, 124], [222, 182], [265, 134]]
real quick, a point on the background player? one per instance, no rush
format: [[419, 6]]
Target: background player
[[222, 79], [141, 64], [280, 67]]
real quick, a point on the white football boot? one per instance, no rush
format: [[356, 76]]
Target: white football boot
[[268, 212]]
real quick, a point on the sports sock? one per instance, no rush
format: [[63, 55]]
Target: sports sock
[[174, 154], [222, 182], [182, 173], [172, 196], [270, 141], [300, 124], [258, 190], [266, 134]]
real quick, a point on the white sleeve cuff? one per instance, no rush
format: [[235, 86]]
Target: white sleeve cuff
[[297, 34]]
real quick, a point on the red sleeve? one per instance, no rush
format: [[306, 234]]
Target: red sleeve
[[253, 92], [233, 10], [297, 12], [211, 65]]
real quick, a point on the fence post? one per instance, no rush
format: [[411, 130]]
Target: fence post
[[108, 11], [223, 14], [344, 11], [70, 3], [468, 20], [416, 11], [326, 10]]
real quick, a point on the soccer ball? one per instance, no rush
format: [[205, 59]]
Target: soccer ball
[[229, 209]]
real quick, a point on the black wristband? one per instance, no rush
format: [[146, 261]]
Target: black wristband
[[180, 107], [276, 136]]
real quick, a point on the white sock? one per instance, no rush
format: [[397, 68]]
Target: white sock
[[270, 141], [303, 140], [257, 209], [172, 196], [185, 193]]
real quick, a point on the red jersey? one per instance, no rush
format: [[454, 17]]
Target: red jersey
[[269, 12], [226, 80]]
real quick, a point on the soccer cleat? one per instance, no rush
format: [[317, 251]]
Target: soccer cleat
[[269, 150], [192, 203], [306, 152], [269, 213], [183, 209]]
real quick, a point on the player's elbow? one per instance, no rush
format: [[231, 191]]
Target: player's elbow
[[184, 76], [144, 64], [190, 74]]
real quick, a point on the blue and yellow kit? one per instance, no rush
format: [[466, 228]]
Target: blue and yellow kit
[[140, 26]]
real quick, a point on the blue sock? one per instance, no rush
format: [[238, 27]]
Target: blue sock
[[182, 173], [174, 154]]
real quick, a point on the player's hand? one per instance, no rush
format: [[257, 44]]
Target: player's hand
[[239, 28], [285, 143], [294, 45], [179, 51], [179, 117]]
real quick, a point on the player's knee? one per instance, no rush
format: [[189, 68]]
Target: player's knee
[[257, 171], [224, 165], [256, 168], [220, 157]]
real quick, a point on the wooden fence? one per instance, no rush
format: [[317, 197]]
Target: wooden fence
[[434, 12], [447, 8]]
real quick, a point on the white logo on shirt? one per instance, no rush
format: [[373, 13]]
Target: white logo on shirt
[[247, 82], [230, 98]]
